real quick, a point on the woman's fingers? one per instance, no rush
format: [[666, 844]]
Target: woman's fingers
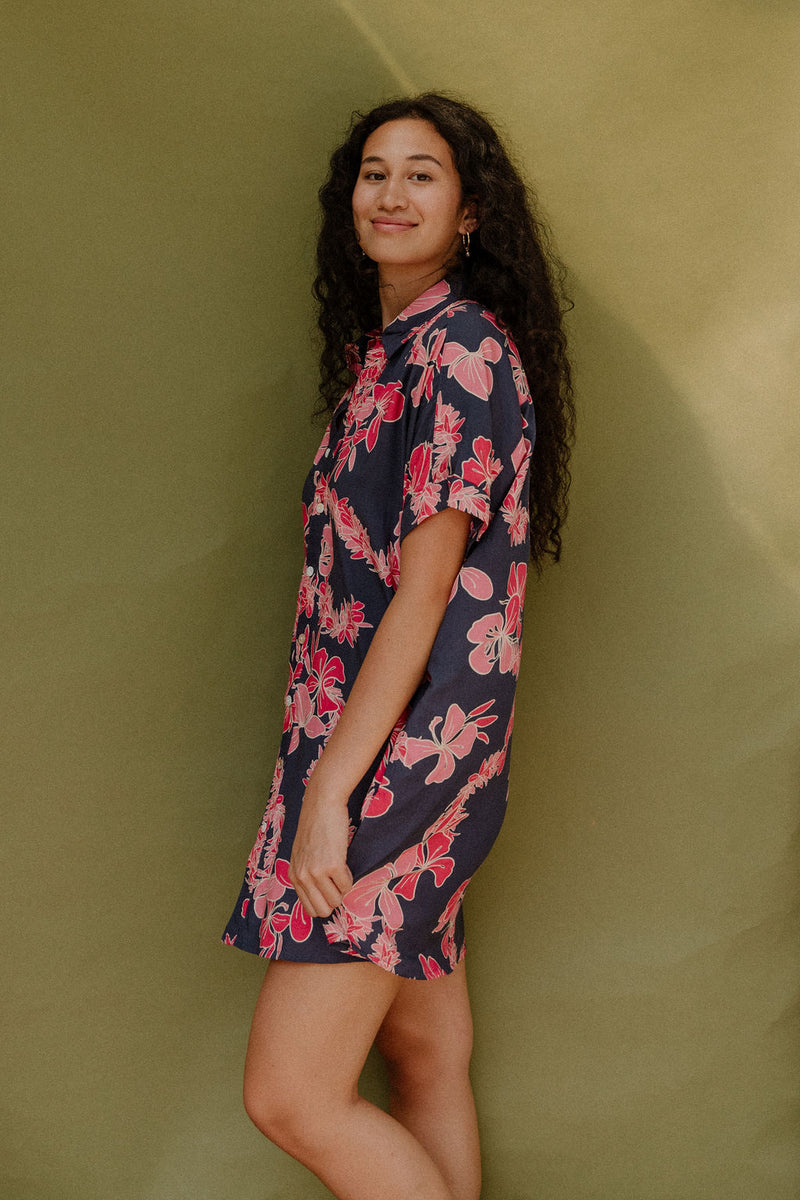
[[342, 878], [321, 894], [313, 901]]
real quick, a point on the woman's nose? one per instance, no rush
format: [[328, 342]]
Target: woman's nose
[[392, 194]]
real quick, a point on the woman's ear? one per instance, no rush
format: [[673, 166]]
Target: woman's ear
[[470, 221]]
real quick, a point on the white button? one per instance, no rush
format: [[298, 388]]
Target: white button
[[302, 639], [319, 508], [288, 702], [327, 452], [309, 571]]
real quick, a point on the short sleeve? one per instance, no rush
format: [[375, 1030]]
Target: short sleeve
[[462, 397]]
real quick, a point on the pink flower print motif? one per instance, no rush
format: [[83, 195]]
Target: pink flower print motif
[[388, 401], [374, 360], [361, 404], [447, 923], [306, 595], [517, 579], [380, 797], [327, 672], [345, 926], [304, 718], [458, 736], [430, 360], [437, 860], [475, 583], [356, 539], [496, 636], [391, 571], [424, 493], [277, 916], [484, 468], [518, 372], [294, 675], [368, 893], [431, 854], [323, 446], [469, 499], [325, 553], [430, 967], [490, 766], [346, 451], [471, 368], [325, 594], [427, 300], [269, 938], [384, 950], [269, 833], [494, 645], [516, 517], [446, 436], [345, 622], [515, 514], [269, 890], [408, 867], [300, 924]]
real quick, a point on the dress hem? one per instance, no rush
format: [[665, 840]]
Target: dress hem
[[346, 958]]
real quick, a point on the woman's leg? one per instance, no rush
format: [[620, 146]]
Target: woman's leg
[[426, 1041], [312, 1029]]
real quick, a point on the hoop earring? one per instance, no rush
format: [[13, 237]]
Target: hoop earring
[[465, 244]]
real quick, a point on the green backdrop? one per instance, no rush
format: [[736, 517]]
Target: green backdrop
[[633, 952]]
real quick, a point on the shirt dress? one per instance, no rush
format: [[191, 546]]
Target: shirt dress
[[439, 416]]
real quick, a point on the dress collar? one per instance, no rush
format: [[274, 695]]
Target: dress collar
[[416, 314]]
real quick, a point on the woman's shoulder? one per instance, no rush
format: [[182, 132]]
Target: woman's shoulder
[[468, 331], [473, 321], [466, 351]]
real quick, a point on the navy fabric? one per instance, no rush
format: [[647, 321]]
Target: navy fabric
[[439, 415]]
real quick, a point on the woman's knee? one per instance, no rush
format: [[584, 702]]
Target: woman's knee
[[282, 1115], [273, 1116], [294, 1113]]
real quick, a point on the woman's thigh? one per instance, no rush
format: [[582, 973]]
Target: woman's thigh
[[312, 1029]]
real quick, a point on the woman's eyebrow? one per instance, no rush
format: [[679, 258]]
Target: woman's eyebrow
[[376, 158]]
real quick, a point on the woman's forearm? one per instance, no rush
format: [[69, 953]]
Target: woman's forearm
[[386, 681], [397, 656]]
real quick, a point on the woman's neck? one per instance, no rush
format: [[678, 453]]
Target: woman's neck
[[397, 287]]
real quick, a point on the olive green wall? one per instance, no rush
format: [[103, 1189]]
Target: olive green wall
[[633, 953]]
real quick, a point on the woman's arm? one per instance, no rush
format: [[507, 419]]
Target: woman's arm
[[432, 555]]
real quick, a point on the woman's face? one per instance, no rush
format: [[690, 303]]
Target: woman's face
[[408, 209]]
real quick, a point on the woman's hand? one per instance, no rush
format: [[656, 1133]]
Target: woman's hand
[[318, 869]]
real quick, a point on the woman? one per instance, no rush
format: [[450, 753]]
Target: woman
[[420, 515]]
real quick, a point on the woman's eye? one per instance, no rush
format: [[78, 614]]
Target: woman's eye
[[373, 175], [420, 175]]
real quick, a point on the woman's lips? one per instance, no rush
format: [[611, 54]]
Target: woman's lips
[[392, 226]]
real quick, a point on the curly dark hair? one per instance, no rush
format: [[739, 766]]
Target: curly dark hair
[[511, 270]]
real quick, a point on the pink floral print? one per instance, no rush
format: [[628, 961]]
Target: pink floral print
[[439, 415], [457, 738]]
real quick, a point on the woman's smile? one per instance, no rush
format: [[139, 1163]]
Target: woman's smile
[[391, 224]]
